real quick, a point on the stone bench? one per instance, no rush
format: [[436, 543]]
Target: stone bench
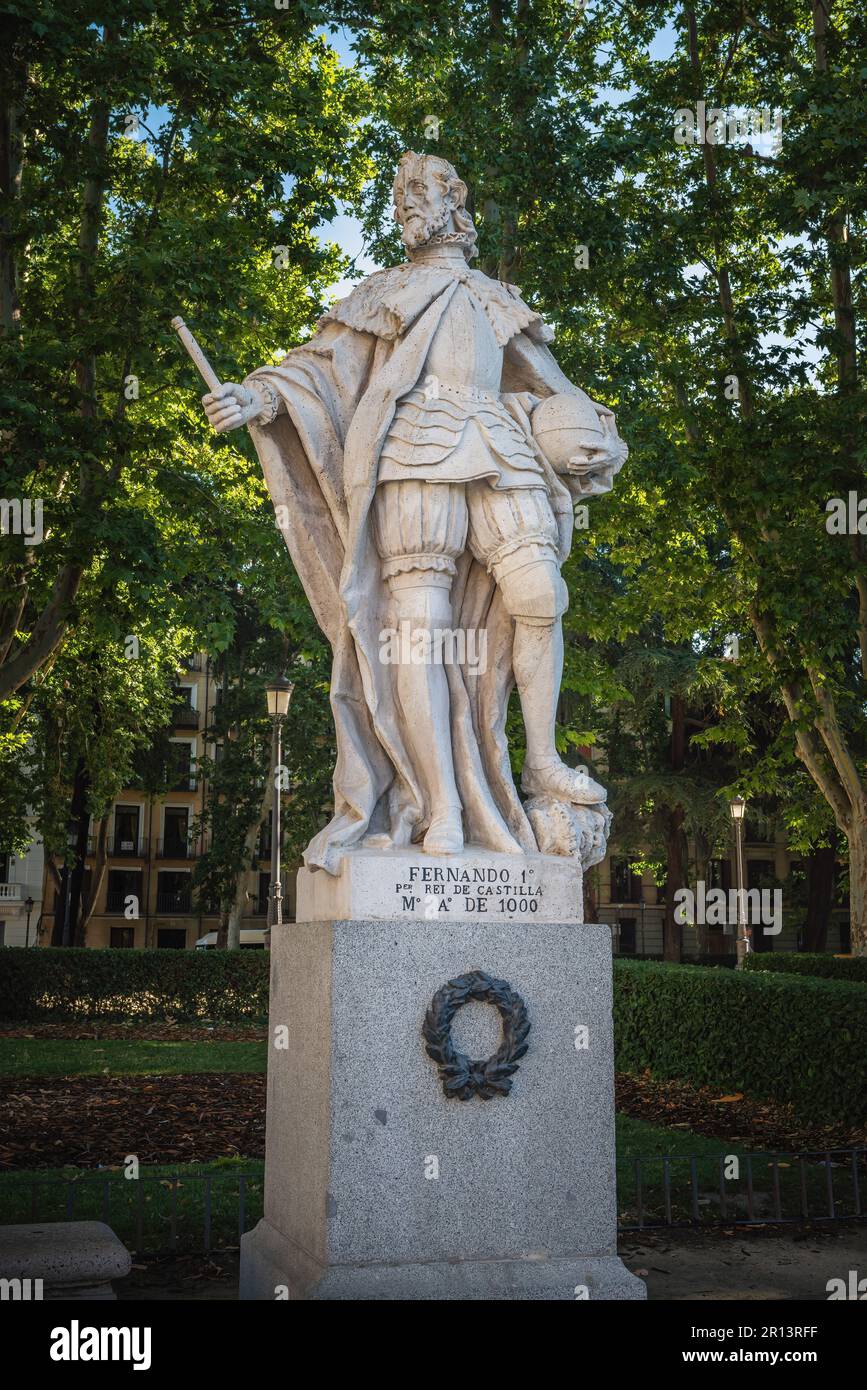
[[73, 1260]]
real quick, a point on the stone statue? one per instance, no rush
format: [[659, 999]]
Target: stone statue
[[424, 452]]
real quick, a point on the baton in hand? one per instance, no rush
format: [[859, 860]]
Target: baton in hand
[[209, 376]]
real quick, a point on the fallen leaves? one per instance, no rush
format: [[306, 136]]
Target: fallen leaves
[[92, 1121], [762, 1124]]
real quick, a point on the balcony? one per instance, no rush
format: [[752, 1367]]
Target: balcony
[[116, 898], [174, 903], [193, 663], [177, 849], [134, 847], [10, 893], [185, 717]]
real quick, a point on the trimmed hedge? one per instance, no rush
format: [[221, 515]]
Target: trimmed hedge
[[773, 1036], [48, 984], [810, 963]]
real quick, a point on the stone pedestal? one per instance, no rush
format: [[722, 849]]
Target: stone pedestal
[[476, 886], [377, 1184]]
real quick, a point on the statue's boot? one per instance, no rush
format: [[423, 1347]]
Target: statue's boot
[[565, 783], [445, 834]]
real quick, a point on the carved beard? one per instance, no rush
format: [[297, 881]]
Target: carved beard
[[418, 231]]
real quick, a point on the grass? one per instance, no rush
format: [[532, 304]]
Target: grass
[[190, 1207], [167, 1208], [110, 1057]]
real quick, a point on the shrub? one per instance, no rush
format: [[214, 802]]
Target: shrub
[[55, 984], [810, 963], [775, 1036]]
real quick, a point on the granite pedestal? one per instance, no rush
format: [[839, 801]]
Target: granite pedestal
[[378, 1185]]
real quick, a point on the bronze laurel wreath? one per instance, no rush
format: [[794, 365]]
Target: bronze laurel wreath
[[461, 1077]]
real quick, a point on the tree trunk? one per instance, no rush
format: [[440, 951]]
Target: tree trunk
[[858, 885], [672, 931], [820, 897], [589, 894], [236, 911], [89, 899], [80, 817]]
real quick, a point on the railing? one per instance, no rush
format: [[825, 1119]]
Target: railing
[[741, 1189], [184, 783], [10, 892], [152, 1212], [172, 903], [193, 663], [206, 1211], [177, 849], [116, 898], [129, 847], [185, 717]]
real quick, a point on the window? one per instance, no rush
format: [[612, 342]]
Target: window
[[126, 829], [176, 832], [625, 885], [261, 908], [264, 848], [184, 763], [627, 936], [122, 938], [173, 891], [122, 884], [760, 873], [171, 938]]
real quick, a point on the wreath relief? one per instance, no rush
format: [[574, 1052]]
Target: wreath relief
[[461, 1077]]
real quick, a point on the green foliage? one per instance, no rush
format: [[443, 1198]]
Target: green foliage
[[247, 137], [825, 967], [774, 1036], [52, 985]]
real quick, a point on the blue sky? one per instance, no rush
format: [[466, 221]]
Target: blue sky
[[345, 230]]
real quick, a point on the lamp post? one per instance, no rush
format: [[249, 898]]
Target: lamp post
[[28, 907], [278, 692], [738, 807]]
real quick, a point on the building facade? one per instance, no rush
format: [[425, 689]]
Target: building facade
[[146, 898]]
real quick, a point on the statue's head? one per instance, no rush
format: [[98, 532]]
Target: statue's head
[[430, 203]]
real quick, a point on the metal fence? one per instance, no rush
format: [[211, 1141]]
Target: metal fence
[[741, 1189], [203, 1212]]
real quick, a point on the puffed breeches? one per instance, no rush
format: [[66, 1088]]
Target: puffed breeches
[[420, 528]]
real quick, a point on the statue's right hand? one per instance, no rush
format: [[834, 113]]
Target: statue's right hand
[[231, 406]]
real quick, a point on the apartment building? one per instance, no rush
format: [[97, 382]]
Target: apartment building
[[634, 906], [146, 898], [21, 877]]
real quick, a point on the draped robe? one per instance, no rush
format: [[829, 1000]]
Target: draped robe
[[319, 456]]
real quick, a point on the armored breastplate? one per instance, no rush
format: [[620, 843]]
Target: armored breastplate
[[465, 352]]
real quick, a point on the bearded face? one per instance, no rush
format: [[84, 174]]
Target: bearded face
[[422, 207]]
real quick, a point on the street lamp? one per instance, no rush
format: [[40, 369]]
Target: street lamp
[[278, 693], [28, 905], [737, 807]]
